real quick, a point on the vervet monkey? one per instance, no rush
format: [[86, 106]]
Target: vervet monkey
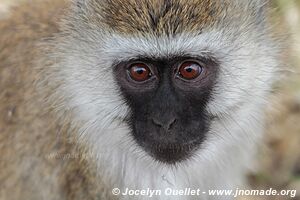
[[138, 93]]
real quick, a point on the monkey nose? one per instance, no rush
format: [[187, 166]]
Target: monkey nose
[[165, 124]]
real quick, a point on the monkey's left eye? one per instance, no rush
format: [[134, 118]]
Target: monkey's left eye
[[189, 70], [139, 72]]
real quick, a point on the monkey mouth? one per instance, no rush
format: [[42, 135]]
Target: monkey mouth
[[171, 153]]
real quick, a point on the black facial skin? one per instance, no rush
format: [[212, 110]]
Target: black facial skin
[[168, 116]]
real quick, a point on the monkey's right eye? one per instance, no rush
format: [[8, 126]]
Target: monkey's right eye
[[139, 72]]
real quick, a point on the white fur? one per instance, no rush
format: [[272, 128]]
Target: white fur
[[246, 75]]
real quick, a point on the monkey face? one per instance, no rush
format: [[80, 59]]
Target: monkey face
[[167, 98]]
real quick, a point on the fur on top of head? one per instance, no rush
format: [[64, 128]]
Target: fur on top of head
[[167, 17]]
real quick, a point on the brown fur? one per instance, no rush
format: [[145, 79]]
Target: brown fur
[[157, 16], [32, 143]]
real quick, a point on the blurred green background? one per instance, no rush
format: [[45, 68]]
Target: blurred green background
[[278, 163]]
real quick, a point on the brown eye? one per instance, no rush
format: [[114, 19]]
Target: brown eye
[[139, 72], [190, 70]]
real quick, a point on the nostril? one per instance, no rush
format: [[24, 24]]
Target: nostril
[[171, 124], [157, 123], [167, 125]]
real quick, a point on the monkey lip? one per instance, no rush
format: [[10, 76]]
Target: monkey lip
[[172, 153]]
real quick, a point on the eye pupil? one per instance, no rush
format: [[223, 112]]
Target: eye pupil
[[190, 70], [139, 72]]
